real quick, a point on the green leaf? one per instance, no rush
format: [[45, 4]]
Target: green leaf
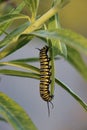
[[75, 59], [15, 114], [32, 6], [15, 45], [19, 8], [10, 17], [14, 34], [19, 73], [75, 96], [37, 76], [33, 59], [21, 65], [4, 26], [63, 2], [3, 119], [66, 36], [58, 46], [54, 22]]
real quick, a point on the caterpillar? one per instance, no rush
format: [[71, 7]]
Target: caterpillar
[[45, 77]]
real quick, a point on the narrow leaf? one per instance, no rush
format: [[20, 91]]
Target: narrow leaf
[[15, 114], [21, 65], [70, 38], [58, 46], [75, 96], [75, 59], [19, 73], [14, 34], [33, 59], [63, 2], [37, 76], [15, 45], [3, 119], [19, 8], [10, 17], [4, 26], [32, 6]]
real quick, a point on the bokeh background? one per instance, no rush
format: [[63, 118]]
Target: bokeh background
[[67, 113]]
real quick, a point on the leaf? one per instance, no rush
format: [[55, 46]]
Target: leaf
[[75, 59], [75, 96], [56, 2], [4, 26], [73, 56], [71, 38], [21, 65], [37, 76], [19, 73], [14, 46], [61, 3], [32, 6], [58, 46], [15, 114], [2, 119], [14, 34], [32, 59], [10, 17], [19, 8]]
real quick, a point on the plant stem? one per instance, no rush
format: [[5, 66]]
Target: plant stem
[[42, 20], [52, 69]]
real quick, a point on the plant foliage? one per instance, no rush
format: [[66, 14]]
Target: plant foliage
[[63, 42]]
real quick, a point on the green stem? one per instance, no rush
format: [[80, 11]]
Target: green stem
[[42, 20], [52, 69]]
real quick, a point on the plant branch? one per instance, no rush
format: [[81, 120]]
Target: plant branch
[[42, 19]]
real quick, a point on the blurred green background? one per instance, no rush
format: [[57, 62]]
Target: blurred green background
[[73, 16]]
